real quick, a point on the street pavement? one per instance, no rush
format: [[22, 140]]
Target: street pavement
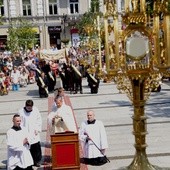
[[114, 109]]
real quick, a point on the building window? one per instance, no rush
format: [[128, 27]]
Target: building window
[[53, 7], [26, 4], [74, 6], [1, 8]]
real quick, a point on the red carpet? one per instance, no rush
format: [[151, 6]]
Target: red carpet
[[47, 151]]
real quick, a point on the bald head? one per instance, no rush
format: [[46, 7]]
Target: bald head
[[90, 115]]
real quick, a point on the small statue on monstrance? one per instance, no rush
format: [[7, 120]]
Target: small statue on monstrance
[[110, 7], [135, 5]]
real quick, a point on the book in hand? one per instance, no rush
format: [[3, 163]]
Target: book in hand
[[67, 131]]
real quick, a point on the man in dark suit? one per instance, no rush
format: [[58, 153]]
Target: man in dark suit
[[93, 83], [77, 77]]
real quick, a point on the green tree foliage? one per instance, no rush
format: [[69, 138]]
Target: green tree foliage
[[88, 18], [12, 40], [95, 6], [21, 36], [169, 6], [150, 4]]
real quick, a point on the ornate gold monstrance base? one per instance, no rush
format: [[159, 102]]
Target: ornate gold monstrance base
[[145, 167], [141, 162], [138, 79]]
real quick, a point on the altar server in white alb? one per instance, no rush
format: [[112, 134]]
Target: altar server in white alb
[[32, 121], [62, 119], [19, 156], [93, 139]]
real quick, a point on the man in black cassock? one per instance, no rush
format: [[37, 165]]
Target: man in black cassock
[[93, 83], [77, 77], [42, 83], [50, 76]]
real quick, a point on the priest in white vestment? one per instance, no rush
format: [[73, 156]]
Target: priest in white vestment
[[62, 119], [18, 152], [31, 119], [60, 93], [93, 139]]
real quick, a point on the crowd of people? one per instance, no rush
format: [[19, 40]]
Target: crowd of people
[[23, 138], [16, 72], [92, 134], [24, 69]]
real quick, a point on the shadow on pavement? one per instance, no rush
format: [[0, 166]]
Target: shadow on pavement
[[33, 93]]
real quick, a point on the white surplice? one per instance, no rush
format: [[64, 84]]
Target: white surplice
[[32, 121], [97, 133], [18, 154], [66, 113]]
